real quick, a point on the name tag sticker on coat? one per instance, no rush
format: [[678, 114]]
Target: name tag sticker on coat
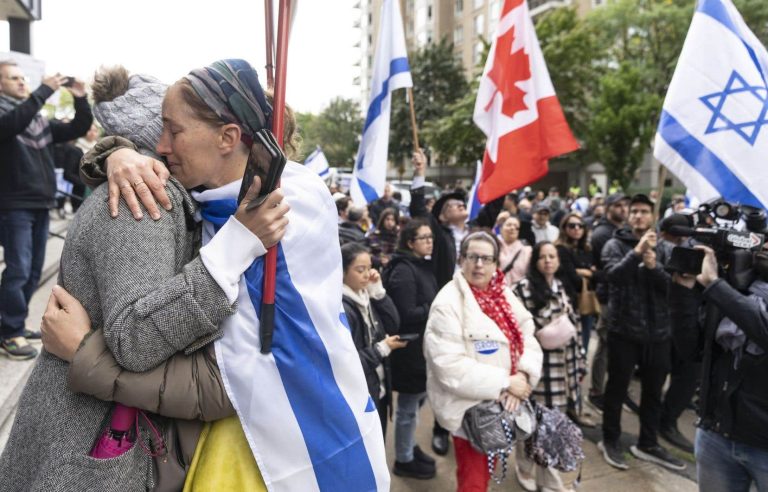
[[486, 347]]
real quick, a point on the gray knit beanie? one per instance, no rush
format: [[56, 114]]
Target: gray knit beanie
[[129, 107]]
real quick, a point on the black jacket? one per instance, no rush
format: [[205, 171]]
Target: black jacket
[[734, 399], [386, 321], [570, 260], [602, 232], [350, 232], [411, 284], [637, 297], [27, 177]]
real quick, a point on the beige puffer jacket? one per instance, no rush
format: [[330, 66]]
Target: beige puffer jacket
[[467, 354]]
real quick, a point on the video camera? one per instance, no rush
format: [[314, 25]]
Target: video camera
[[734, 232]]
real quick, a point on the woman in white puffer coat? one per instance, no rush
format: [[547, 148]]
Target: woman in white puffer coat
[[479, 345]]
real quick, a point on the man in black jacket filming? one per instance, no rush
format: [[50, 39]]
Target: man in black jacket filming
[[639, 334], [732, 438], [27, 192]]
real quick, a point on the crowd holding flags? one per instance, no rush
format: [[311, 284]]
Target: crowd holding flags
[[713, 129], [391, 71]]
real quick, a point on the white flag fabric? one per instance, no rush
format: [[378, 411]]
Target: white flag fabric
[[713, 131], [317, 162], [304, 407], [390, 72], [474, 200]]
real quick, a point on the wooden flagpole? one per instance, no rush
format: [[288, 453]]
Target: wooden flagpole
[[269, 27], [414, 128]]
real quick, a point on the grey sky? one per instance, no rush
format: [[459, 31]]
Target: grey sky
[[166, 38]]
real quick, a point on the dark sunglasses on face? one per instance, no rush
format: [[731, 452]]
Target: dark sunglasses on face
[[574, 225]]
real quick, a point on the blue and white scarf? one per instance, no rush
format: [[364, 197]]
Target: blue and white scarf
[[305, 407]]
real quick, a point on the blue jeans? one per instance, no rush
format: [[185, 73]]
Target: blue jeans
[[406, 420], [23, 235], [725, 465]]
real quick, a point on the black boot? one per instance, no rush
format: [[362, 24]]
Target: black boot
[[414, 469]]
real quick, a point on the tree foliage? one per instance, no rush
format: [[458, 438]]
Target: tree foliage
[[612, 68], [336, 129], [438, 83]]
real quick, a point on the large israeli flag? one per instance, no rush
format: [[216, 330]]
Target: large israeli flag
[[317, 162], [390, 72], [713, 132], [305, 407]]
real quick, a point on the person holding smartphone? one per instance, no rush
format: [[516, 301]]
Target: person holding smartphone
[[374, 323]]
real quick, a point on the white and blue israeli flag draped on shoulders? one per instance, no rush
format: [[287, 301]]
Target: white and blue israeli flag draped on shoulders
[[317, 162], [390, 72], [305, 407], [713, 131]]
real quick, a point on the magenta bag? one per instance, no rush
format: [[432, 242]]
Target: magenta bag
[[117, 439]]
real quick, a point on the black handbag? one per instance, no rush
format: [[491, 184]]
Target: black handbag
[[493, 431]]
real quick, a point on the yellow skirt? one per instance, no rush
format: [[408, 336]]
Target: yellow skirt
[[223, 460]]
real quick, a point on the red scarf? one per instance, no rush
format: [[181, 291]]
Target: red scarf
[[495, 305]]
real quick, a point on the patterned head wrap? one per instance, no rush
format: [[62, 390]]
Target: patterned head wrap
[[231, 89]]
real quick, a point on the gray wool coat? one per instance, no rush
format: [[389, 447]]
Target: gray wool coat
[[139, 282]]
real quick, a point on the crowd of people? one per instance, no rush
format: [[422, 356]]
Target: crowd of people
[[442, 310]]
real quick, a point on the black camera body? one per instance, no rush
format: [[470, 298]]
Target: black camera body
[[735, 249]]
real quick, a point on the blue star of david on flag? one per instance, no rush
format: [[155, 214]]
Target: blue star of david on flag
[[741, 93]]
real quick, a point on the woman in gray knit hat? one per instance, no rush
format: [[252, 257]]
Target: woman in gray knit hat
[[157, 303]]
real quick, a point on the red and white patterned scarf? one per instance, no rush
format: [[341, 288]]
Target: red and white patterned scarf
[[495, 305]]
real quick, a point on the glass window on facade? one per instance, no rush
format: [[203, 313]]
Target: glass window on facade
[[458, 35], [459, 6], [479, 25]]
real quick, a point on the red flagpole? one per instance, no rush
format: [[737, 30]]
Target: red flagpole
[[267, 319]]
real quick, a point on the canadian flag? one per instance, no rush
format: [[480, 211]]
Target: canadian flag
[[517, 108]]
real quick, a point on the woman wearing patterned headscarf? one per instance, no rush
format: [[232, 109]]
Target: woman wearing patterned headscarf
[[303, 411]]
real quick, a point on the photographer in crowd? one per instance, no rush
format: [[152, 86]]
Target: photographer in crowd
[[638, 334], [732, 438]]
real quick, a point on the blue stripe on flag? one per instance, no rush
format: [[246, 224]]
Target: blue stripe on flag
[[396, 66], [344, 320], [331, 432], [325, 172], [716, 10], [370, 407], [705, 162], [368, 192]]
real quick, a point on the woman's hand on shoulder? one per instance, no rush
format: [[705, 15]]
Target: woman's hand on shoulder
[[137, 178], [65, 324]]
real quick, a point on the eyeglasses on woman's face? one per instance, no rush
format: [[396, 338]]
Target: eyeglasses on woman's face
[[485, 259], [425, 237], [574, 225]]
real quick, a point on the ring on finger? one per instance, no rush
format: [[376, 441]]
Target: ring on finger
[[137, 183], [126, 185]]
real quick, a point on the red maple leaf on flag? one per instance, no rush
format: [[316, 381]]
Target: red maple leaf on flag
[[508, 69]]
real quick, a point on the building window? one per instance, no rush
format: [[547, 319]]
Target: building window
[[479, 3], [493, 16], [479, 25], [370, 18], [478, 53], [458, 35], [459, 6], [429, 12]]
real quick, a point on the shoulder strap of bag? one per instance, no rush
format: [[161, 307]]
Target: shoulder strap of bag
[[512, 263]]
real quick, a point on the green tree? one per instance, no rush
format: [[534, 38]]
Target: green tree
[[438, 82], [623, 118], [336, 129]]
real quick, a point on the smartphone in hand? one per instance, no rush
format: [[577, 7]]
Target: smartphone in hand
[[409, 337], [265, 160]]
